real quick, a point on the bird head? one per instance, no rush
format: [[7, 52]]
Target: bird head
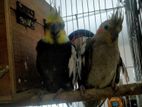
[[54, 22], [111, 28], [54, 28]]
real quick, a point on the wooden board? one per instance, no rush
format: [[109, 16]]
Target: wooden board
[[5, 87], [24, 44], [17, 48]]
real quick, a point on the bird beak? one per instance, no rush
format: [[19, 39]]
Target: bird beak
[[114, 36], [55, 29]]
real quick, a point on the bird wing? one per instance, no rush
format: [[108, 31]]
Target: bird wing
[[122, 66], [86, 56]]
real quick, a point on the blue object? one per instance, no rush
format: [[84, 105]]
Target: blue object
[[115, 104], [80, 33]]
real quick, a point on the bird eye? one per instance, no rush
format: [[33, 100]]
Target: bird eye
[[106, 27]]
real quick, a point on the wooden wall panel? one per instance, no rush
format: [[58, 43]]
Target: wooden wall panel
[[24, 44], [5, 84], [17, 47]]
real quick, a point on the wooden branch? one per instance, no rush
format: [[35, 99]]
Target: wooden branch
[[73, 96], [41, 97]]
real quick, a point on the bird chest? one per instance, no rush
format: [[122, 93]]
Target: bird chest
[[21, 26]]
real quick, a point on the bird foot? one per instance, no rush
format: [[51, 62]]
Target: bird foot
[[82, 89], [114, 87], [58, 93]]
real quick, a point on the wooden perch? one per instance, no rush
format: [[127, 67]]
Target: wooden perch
[[73, 96], [41, 97]]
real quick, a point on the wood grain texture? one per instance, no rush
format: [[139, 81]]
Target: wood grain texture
[[5, 87], [90, 94], [17, 48], [24, 42], [41, 97]]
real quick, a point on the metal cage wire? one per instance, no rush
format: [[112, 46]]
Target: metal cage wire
[[134, 23], [89, 14]]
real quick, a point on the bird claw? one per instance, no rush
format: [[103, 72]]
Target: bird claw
[[114, 87], [82, 89], [58, 93]]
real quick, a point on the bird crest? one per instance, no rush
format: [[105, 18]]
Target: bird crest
[[117, 17], [54, 16]]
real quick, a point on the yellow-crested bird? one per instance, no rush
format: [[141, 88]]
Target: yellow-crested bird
[[54, 52]]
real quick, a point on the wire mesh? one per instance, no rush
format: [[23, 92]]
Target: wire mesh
[[134, 21], [89, 14]]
